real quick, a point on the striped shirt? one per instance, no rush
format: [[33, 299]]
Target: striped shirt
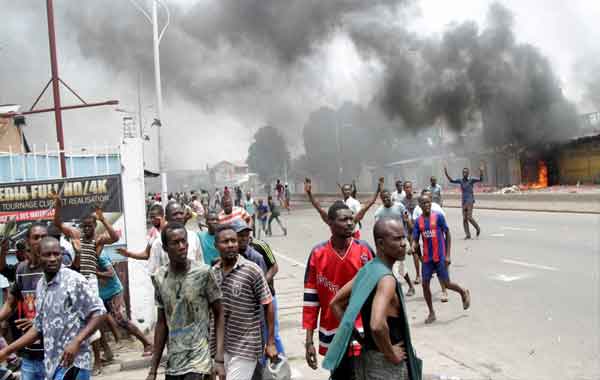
[[237, 213], [245, 291], [88, 258]]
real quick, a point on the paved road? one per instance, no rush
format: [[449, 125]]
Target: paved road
[[534, 279]]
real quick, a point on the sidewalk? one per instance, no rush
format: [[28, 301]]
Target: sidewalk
[[289, 287]]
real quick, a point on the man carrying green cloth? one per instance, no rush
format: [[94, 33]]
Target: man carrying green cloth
[[387, 352]]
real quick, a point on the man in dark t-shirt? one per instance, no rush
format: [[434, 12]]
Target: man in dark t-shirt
[[21, 303]]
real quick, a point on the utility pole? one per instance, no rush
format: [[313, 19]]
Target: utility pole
[[156, 37], [55, 88]]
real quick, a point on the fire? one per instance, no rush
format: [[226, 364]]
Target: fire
[[542, 181]]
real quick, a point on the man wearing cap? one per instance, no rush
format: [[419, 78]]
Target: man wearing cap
[[243, 230]]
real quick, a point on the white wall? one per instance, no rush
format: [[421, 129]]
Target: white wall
[[140, 287]]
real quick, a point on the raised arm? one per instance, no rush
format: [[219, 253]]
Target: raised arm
[[71, 232], [144, 255], [313, 201], [481, 170], [361, 214], [111, 236], [448, 175]]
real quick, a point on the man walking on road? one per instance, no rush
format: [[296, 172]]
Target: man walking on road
[[436, 191], [434, 231], [68, 312], [410, 203], [274, 215], [398, 194], [207, 239], [231, 213], [352, 203], [468, 198], [396, 211], [376, 295], [245, 293], [331, 265], [185, 293]]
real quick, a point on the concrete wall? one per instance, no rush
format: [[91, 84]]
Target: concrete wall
[[140, 287]]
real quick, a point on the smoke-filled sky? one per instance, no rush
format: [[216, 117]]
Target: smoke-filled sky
[[231, 66]]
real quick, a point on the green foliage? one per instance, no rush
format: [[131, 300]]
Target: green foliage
[[268, 154]]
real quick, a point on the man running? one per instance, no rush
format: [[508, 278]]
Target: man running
[[376, 295], [352, 203], [245, 293], [231, 213], [436, 190], [274, 215], [88, 248], [397, 211], [468, 198], [331, 265], [433, 230], [65, 329], [186, 292], [111, 293]]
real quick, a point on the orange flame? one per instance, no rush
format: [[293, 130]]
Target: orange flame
[[542, 176]]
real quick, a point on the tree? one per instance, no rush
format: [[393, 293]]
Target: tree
[[268, 155]]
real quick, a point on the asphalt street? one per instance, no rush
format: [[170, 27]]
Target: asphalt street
[[534, 281]]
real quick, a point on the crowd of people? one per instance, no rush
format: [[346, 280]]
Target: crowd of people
[[215, 292]]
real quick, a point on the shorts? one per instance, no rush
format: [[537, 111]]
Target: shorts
[[188, 376], [439, 268], [346, 370], [238, 368], [372, 365], [467, 210], [93, 281], [115, 306]]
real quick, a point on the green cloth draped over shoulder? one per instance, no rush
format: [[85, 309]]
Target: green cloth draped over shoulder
[[366, 280]]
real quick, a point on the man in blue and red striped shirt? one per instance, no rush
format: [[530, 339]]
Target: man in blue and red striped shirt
[[432, 227]]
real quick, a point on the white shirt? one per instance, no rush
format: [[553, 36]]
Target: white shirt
[[354, 205], [417, 212], [159, 257], [398, 197]]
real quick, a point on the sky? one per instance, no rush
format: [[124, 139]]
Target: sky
[[205, 131]]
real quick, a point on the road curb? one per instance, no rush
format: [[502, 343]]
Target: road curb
[[306, 205]]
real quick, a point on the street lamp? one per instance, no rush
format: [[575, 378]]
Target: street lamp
[[156, 38]]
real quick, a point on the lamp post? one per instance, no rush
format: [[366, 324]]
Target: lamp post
[[156, 38]]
